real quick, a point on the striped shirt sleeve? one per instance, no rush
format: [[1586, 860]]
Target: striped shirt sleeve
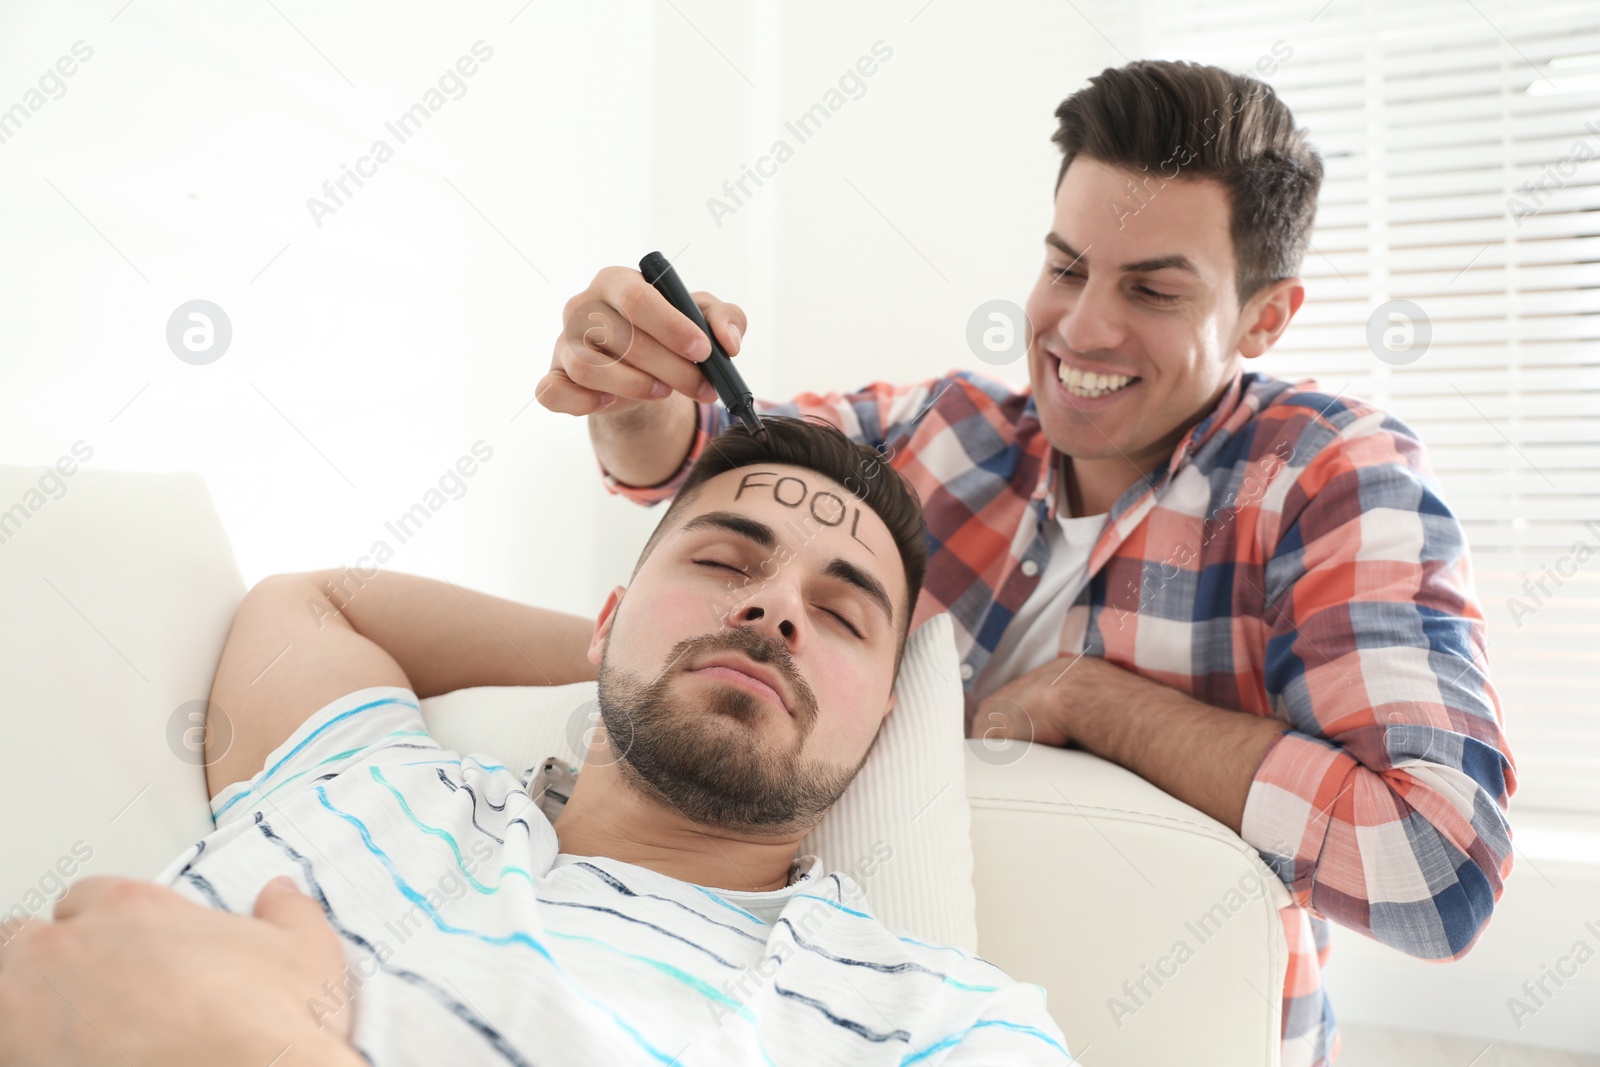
[[1011, 1026], [343, 734], [1384, 808], [871, 416]]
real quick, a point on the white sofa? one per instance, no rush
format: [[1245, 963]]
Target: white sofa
[[1154, 928]]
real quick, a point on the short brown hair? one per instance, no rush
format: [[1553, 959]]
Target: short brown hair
[[1187, 120], [821, 447]]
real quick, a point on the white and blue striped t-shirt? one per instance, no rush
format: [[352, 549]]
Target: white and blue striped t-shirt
[[470, 939]]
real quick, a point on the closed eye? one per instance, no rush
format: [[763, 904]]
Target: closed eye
[[846, 623], [1064, 272]]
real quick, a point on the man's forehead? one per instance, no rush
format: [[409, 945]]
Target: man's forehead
[[801, 507], [1114, 216], [812, 500]]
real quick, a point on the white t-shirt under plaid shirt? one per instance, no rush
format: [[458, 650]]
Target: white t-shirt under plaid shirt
[[471, 939]]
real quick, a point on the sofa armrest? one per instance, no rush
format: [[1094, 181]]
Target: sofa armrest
[[119, 590], [1154, 928]]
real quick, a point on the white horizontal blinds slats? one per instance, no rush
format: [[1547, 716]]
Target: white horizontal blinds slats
[[1461, 144]]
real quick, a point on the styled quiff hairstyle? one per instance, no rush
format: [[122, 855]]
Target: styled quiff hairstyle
[[1168, 119]]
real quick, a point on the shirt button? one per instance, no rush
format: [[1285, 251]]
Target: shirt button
[[966, 672], [1030, 568]]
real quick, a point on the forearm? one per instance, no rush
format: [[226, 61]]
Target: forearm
[[447, 637], [645, 445], [1204, 756]]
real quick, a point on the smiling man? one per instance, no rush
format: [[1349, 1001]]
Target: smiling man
[[486, 917], [1247, 591]]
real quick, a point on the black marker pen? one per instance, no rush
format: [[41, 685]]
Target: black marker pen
[[724, 376]]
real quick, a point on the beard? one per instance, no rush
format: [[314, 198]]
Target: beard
[[685, 751]]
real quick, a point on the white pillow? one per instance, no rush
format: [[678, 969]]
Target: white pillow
[[902, 829]]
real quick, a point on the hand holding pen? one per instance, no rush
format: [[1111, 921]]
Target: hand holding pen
[[717, 367], [623, 345]]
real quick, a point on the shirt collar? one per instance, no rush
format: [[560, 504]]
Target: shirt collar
[[1207, 428]]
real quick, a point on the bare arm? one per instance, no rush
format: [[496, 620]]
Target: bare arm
[[644, 446], [1205, 756], [300, 641], [445, 637]]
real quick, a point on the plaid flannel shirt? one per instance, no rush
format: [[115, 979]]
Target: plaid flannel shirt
[[1294, 559]]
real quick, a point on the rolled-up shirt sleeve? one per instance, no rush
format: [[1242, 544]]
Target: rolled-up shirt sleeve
[[1384, 807]]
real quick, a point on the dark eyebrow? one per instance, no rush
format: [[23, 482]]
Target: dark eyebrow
[[848, 572], [1144, 266], [760, 533], [734, 523]]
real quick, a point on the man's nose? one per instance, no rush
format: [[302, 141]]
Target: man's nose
[[765, 614], [1092, 323]]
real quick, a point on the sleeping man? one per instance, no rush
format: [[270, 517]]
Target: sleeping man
[[612, 934]]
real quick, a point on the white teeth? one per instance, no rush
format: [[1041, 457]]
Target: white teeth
[[1091, 385]]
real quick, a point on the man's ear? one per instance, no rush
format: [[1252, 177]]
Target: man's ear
[[1268, 313], [603, 624]]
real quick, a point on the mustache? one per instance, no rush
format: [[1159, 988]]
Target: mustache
[[768, 651]]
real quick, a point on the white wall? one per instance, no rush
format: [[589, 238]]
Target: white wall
[[372, 351], [376, 348]]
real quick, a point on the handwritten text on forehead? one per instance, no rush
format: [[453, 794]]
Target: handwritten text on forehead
[[826, 508]]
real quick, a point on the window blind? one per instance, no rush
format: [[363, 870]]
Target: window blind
[[1461, 142]]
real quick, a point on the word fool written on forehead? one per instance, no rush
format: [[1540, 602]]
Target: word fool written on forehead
[[827, 508]]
